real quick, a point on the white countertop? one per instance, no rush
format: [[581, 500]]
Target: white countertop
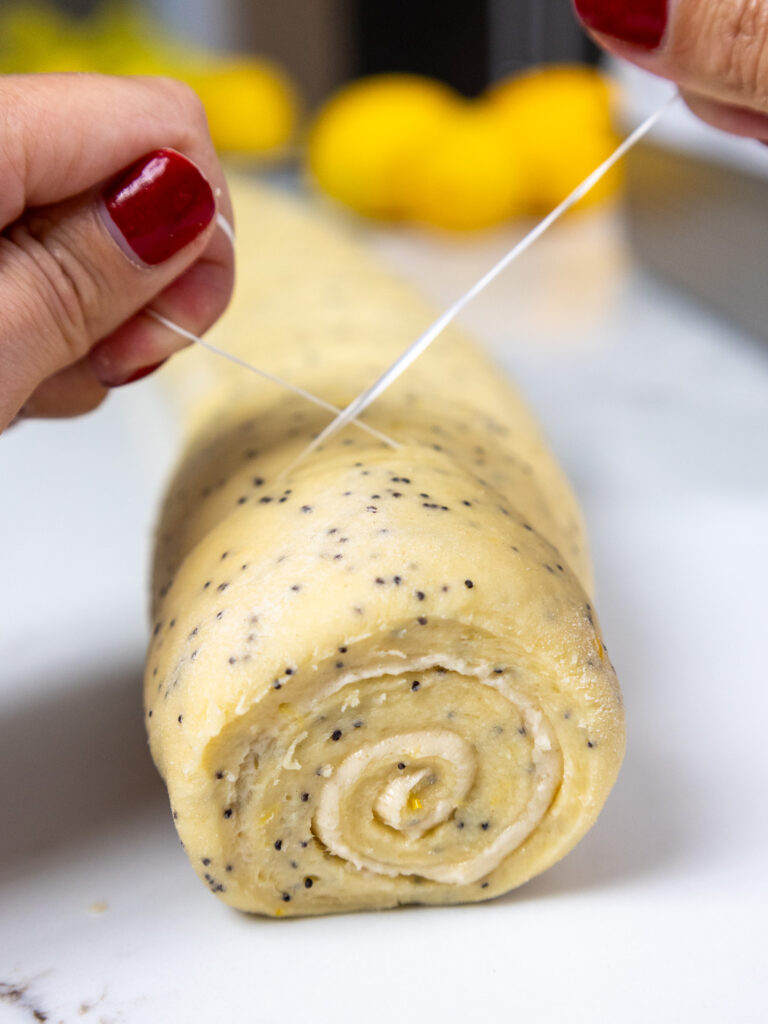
[[659, 413]]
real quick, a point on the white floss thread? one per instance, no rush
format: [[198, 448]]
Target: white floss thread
[[189, 336], [414, 350], [226, 227]]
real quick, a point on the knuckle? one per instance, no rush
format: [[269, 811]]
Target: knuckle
[[63, 287], [746, 34], [178, 111], [734, 50], [189, 106]]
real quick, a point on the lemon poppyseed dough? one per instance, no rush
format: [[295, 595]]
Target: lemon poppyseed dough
[[377, 679]]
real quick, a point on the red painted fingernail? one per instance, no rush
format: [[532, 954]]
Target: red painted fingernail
[[137, 375], [158, 205], [641, 22]]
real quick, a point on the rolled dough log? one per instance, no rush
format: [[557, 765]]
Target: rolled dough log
[[378, 680]]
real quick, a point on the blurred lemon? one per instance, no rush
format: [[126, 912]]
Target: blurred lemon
[[125, 39], [37, 37], [466, 173], [67, 56], [361, 145], [559, 118], [251, 105], [563, 91]]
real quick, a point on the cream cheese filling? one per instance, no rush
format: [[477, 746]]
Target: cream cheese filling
[[428, 775]]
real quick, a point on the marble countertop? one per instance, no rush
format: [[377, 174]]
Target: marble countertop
[[659, 413]]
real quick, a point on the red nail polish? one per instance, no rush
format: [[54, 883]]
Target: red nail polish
[[138, 374], [641, 22], [159, 205]]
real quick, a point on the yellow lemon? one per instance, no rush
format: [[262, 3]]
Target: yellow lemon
[[252, 106], [65, 57], [466, 173], [126, 40], [114, 40], [568, 92], [559, 117], [363, 139], [37, 37]]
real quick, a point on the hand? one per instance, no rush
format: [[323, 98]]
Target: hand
[[109, 194], [716, 51]]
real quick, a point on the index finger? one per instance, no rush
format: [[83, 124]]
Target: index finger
[[63, 133]]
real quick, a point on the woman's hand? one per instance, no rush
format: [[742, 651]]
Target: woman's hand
[[716, 50], [109, 194]]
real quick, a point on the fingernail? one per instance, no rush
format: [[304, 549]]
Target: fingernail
[[136, 375], [641, 22], [158, 205]]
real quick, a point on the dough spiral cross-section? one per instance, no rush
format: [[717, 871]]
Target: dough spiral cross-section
[[427, 797], [378, 680]]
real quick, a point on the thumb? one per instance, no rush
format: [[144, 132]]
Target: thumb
[[716, 50], [72, 272]]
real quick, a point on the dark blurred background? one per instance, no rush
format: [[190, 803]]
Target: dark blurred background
[[465, 44], [324, 42]]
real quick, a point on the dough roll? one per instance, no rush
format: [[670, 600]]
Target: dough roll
[[377, 679]]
